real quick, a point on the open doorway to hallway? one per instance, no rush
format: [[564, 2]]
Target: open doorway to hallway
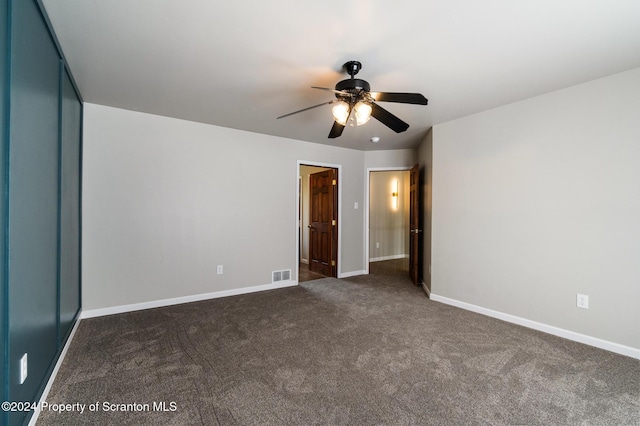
[[388, 222], [317, 221]]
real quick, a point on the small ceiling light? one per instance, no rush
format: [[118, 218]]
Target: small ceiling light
[[363, 113], [341, 112], [375, 139]]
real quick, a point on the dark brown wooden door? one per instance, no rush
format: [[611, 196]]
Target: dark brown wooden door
[[323, 222], [414, 223]]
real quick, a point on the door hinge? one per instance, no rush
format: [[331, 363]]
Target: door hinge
[[333, 222], [334, 183], [333, 263]]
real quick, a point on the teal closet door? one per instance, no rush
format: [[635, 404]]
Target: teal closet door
[[33, 201], [3, 184], [70, 150]]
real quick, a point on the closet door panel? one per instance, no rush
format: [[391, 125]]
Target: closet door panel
[[33, 201], [70, 143]]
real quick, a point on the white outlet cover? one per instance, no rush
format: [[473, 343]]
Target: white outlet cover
[[582, 301], [23, 368]]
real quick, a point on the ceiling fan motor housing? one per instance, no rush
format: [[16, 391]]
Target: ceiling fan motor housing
[[353, 84], [353, 90]]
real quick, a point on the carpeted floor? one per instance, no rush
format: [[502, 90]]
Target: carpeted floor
[[369, 350]]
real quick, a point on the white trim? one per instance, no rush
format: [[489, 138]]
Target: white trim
[[54, 373], [426, 289], [567, 334], [185, 299], [305, 261], [367, 177], [298, 218], [392, 257], [352, 274]]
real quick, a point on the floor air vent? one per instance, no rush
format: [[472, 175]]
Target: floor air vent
[[284, 275]]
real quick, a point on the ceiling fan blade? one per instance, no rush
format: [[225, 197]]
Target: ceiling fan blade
[[306, 109], [388, 119], [340, 92], [336, 130], [404, 98]]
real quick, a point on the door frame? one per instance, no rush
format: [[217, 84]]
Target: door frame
[[367, 206], [338, 167]]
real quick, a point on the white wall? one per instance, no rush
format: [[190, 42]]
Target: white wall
[[390, 158], [425, 159], [166, 200], [539, 200]]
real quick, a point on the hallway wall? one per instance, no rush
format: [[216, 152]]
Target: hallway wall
[[388, 225]]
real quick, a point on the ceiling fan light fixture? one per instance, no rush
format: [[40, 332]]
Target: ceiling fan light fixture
[[341, 112], [363, 113], [355, 103]]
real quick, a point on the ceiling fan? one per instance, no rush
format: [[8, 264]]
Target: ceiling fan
[[356, 103]]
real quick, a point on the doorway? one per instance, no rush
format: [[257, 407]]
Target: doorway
[[318, 225], [388, 222]]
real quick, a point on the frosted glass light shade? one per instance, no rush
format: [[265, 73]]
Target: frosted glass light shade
[[363, 113], [341, 112]]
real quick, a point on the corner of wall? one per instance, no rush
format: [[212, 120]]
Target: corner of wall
[[425, 160]]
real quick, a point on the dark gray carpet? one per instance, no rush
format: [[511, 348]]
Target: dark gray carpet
[[370, 350]]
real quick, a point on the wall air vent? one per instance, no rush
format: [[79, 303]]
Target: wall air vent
[[284, 275]]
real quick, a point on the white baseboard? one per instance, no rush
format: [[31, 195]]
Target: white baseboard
[[351, 274], [305, 261], [185, 299], [556, 331], [426, 289], [54, 373], [392, 257]]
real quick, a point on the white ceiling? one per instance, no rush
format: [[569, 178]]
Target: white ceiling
[[242, 63]]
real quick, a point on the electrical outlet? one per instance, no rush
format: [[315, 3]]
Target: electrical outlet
[[582, 301], [219, 270], [377, 245], [23, 368]]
